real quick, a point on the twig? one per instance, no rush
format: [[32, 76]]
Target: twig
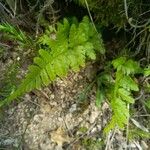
[[141, 115], [33, 7], [148, 48], [127, 128], [138, 146], [88, 9], [7, 10], [15, 8], [66, 125], [130, 19], [4, 45], [135, 37], [141, 44], [144, 13], [108, 141], [140, 96], [33, 102]]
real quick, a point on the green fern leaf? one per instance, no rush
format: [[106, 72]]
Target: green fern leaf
[[68, 50], [119, 62], [126, 66], [120, 115], [125, 95], [121, 93], [128, 83], [120, 111], [131, 67]]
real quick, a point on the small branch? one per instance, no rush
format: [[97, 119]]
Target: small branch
[[127, 129], [140, 96], [88, 9], [7, 10], [130, 19]]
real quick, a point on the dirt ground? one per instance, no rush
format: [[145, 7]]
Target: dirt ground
[[62, 116]]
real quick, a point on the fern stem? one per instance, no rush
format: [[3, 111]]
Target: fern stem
[[91, 18], [127, 128]]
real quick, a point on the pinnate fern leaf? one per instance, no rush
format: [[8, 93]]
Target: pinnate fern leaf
[[119, 62], [121, 94], [68, 49], [128, 83], [120, 115], [125, 95], [126, 66]]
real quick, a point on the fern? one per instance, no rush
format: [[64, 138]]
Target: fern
[[68, 49], [119, 90]]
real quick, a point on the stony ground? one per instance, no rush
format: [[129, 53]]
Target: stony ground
[[62, 116]]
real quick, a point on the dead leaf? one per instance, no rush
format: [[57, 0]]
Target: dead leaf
[[138, 125], [59, 136]]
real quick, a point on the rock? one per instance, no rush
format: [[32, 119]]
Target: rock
[[46, 144], [53, 103], [73, 108], [99, 127], [52, 96], [8, 142], [59, 136], [93, 130], [93, 116], [144, 145]]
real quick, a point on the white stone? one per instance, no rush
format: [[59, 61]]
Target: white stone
[[93, 116]]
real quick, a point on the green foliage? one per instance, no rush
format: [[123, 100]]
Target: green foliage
[[67, 47], [118, 90], [14, 34], [126, 66], [121, 94]]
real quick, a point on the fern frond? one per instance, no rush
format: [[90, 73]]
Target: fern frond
[[68, 50], [121, 95]]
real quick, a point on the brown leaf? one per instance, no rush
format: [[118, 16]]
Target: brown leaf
[[59, 136]]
